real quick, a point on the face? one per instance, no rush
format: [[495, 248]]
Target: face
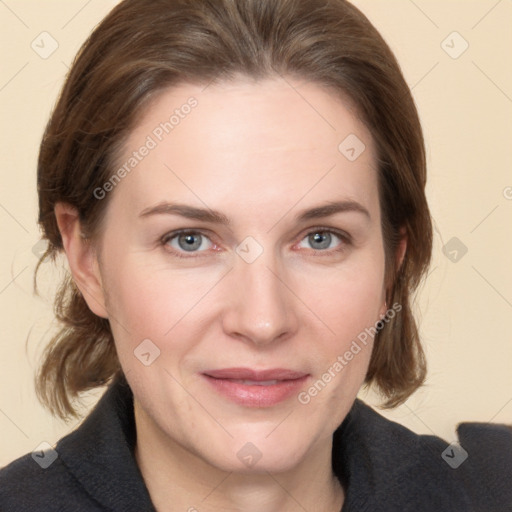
[[234, 295]]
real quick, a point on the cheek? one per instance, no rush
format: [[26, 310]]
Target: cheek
[[349, 298], [147, 301], [139, 302], [348, 303]]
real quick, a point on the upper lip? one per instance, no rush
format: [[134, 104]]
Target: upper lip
[[255, 375]]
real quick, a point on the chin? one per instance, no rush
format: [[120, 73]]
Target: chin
[[254, 450], [249, 459]]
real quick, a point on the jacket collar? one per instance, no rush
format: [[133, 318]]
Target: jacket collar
[[100, 453], [388, 467], [383, 465]]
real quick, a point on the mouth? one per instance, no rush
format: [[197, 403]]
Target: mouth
[[256, 388]]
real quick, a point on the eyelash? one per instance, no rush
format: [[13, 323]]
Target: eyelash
[[344, 237]]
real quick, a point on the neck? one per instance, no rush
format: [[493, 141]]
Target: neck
[[178, 479]]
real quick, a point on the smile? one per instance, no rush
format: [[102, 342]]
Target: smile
[[252, 388]]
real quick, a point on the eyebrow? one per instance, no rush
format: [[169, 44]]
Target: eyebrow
[[216, 217]]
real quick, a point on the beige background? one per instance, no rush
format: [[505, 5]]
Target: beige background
[[466, 109]]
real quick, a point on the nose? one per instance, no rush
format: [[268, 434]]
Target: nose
[[261, 308]]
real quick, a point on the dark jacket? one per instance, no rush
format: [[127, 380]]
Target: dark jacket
[[384, 466]]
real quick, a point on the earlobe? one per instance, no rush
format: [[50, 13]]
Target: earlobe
[[81, 257]]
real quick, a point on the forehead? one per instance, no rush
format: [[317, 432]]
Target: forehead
[[268, 113], [270, 140]]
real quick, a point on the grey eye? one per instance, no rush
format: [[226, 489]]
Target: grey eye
[[190, 241], [320, 240]]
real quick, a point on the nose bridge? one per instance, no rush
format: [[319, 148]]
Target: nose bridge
[[261, 308]]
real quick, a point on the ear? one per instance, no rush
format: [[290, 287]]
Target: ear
[[82, 258]]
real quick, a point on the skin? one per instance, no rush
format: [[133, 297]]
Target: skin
[[260, 153]]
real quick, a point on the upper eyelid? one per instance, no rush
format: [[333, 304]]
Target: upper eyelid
[[173, 234]]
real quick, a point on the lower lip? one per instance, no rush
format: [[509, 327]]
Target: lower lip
[[254, 395]]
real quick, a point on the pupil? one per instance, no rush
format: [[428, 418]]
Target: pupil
[[323, 239], [191, 242]]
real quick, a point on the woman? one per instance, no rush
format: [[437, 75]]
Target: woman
[[238, 187]]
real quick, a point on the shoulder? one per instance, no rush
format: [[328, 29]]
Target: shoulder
[[486, 463], [92, 467], [29, 484], [422, 472]]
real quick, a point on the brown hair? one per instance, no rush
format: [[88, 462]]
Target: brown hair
[[145, 46]]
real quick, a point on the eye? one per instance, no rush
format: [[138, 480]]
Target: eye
[[184, 241], [322, 240], [192, 243]]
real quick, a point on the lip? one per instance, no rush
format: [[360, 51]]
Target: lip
[[256, 388]]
